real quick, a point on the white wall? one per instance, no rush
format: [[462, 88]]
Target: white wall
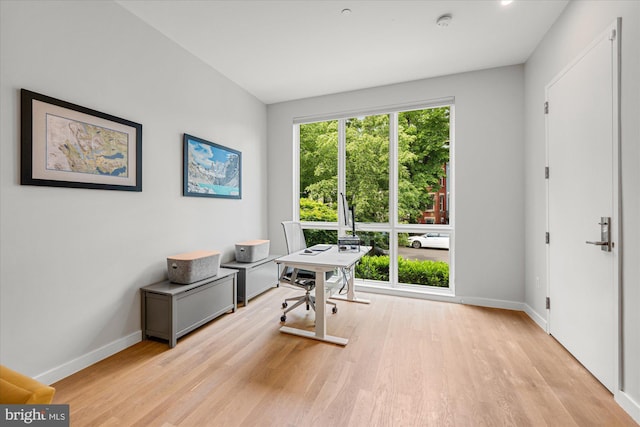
[[489, 182], [72, 260], [579, 24]]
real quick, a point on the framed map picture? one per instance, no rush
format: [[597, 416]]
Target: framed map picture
[[66, 145], [211, 170]]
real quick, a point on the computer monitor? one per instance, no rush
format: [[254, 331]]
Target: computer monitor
[[348, 243], [348, 214]]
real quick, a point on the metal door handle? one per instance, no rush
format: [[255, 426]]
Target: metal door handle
[[605, 235]]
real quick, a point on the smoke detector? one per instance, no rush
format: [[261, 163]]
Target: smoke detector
[[444, 20]]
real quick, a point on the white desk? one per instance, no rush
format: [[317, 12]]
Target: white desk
[[320, 263]]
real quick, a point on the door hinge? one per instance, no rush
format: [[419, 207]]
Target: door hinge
[[546, 107], [612, 36], [546, 172], [546, 237], [548, 303]]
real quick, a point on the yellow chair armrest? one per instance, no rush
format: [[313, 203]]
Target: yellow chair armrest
[[16, 388]]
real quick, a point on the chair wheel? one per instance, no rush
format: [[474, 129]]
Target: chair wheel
[[284, 304], [334, 310], [283, 318]]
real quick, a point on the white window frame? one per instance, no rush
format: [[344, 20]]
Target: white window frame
[[393, 228]]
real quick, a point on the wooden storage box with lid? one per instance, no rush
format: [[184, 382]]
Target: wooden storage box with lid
[[192, 267], [252, 250]]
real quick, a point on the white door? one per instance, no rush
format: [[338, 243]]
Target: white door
[[582, 152]]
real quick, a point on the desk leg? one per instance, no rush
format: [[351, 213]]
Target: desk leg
[[321, 320], [351, 292], [321, 302]]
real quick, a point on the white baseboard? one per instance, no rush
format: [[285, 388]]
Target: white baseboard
[[77, 364], [447, 297], [493, 303], [541, 321], [444, 296], [628, 404]]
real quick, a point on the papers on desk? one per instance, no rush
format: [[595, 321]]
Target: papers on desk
[[320, 248], [316, 249]]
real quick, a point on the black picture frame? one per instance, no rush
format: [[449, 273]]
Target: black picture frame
[[67, 145], [210, 169]]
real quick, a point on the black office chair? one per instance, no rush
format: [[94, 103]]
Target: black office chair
[[305, 279]]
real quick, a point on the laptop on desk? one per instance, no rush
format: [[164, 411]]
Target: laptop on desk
[[320, 248]]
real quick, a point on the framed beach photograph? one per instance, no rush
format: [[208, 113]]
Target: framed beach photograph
[[66, 145], [211, 170]]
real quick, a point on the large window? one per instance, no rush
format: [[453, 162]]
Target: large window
[[367, 167], [319, 171], [395, 169], [423, 156]]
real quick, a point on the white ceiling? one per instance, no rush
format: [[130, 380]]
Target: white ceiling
[[284, 50]]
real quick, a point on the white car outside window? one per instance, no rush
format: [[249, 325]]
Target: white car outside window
[[430, 240]]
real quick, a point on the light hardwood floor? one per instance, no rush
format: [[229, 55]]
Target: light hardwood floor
[[408, 363]]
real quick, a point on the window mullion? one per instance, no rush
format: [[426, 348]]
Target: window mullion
[[296, 172], [342, 171], [393, 197]]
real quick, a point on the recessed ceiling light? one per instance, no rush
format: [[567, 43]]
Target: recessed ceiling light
[[346, 11], [506, 2], [444, 20]]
